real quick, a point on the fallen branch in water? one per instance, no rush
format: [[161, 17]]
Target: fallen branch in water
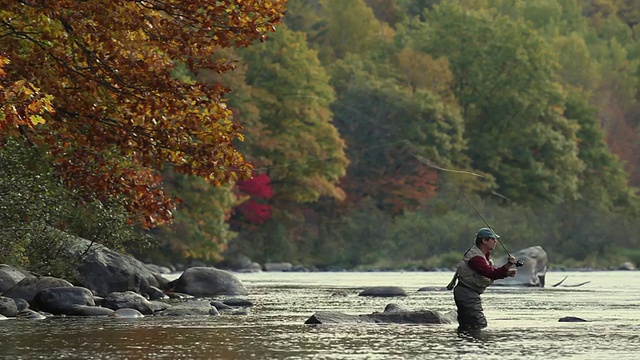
[[561, 281], [575, 285]]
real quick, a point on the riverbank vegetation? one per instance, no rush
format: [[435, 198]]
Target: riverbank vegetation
[[344, 134]]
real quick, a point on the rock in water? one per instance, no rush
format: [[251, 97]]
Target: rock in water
[[391, 315]]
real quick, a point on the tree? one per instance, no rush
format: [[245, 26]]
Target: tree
[[363, 29], [424, 72], [21, 103], [36, 211], [417, 7], [119, 113], [512, 105], [604, 181], [577, 66], [200, 229], [615, 99], [629, 12], [282, 96], [302, 151], [386, 123], [304, 16], [258, 191], [387, 10]]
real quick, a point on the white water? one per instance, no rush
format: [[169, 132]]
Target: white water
[[523, 323]]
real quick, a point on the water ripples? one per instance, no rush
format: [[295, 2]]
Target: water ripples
[[523, 324]]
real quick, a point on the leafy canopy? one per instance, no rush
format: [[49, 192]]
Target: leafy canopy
[[513, 106], [118, 113], [305, 152]]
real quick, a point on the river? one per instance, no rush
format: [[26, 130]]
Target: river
[[523, 323]]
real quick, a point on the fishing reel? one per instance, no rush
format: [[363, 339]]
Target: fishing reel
[[519, 263]]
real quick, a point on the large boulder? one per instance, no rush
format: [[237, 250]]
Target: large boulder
[[208, 281], [62, 300], [11, 275], [104, 271], [533, 271], [28, 287]]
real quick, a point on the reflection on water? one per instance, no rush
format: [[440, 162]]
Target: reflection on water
[[523, 324]]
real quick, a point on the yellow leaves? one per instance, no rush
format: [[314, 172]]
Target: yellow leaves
[[424, 72], [36, 119], [21, 103], [3, 61], [557, 108], [108, 68]]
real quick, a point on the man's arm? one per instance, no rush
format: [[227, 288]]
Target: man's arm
[[480, 265]]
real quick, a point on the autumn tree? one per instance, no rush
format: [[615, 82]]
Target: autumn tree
[[300, 148], [118, 113], [282, 96], [21, 103], [387, 124]]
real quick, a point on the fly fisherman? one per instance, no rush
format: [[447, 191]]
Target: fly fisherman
[[474, 273]]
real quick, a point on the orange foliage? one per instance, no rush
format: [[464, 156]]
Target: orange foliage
[[21, 103], [396, 192], [120, 115]]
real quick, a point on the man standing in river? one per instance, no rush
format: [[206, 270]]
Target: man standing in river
[[473, 275]]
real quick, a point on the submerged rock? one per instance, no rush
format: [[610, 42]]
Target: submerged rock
[[127, 313], [383, 291], [238, 302], [85, 310], [572, 319], [191, 308], [30, 315], [128, 299], [8, 307], [433, 288], [393, 314]]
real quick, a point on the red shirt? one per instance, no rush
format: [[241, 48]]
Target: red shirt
[[481, 265]]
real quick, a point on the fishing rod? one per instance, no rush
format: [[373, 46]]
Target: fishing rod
[[429, 164], [518, 262]]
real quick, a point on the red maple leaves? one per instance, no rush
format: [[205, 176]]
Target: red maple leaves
[[258, 188]]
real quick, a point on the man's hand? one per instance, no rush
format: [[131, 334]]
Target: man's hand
[[511, 260], [511, 272]]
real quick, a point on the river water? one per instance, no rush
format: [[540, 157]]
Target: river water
[[523, 323]]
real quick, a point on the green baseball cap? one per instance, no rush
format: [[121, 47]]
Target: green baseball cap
[[487, 233]]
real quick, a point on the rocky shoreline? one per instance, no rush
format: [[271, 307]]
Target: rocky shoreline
[[108, 283]]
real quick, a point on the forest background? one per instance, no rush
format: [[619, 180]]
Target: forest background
[[361, 134]]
